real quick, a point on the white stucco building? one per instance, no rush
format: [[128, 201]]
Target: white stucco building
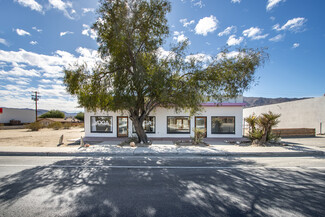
[[223, 120], [306, 113], [22, 115]]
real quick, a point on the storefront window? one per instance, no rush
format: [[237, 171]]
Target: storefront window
[[101, 124], [222, 125], [178, 125]]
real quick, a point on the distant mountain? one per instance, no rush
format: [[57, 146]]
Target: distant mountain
[[259, 101], [42, 111]]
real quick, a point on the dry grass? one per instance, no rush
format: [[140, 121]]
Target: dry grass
[[41, 138]]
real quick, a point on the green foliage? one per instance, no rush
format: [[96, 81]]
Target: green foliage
[[199, 134], [56, 125], [80, 116], [136, 76], [35, 126], [53, 114], [260, 128]]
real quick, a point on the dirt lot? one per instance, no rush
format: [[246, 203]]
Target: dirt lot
[[43, 138]]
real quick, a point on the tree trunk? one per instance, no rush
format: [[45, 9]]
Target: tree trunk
[[142, 136], [264, 137]]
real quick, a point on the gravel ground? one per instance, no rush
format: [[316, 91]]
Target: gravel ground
[[42, 138]]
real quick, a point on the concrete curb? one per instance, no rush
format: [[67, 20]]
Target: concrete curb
[[222, 154]]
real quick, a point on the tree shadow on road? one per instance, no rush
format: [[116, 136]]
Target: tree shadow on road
[[90, 187]]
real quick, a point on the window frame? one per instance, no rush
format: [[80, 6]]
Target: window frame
[[189, 124], [223, 132], [91, 130], [155, 124]]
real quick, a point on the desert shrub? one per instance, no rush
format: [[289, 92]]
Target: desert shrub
[[35, 126], [255, 135], [55, 125], [80, 116], [53, 114], [67, 126], [260, 128], [199, 134]]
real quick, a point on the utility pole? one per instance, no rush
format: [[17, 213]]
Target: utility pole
[[35, 97]]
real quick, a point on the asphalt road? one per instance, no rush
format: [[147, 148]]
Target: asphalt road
[[162, 186]]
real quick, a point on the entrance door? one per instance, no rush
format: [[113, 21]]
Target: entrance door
[[122, 126], [201, 123]]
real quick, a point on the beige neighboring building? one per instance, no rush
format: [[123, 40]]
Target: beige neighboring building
[[307, 113]]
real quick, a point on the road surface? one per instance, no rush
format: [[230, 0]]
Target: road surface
[[162, 186]]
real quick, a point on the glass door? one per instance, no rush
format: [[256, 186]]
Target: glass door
[[201, 123], [122, 126]]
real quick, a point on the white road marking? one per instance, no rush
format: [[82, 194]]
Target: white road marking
[[160, 167]]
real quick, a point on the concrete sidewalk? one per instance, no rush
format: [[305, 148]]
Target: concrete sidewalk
[[164, 148]]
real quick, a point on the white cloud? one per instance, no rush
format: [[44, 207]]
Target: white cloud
[[33, 42], [17, 71], [46, 65], [89, 32], [277, 38], [232, 40], [179, 37], [18, 80], [186, 23], [293, 25], [254, 33], [46, 81], [87, 10], [272, 3], [62, 6], [36, 29], [162, 53], [295, 45], [65, 33], [227, 31], [229, 55], [200, 57], [235, 1], [198, 3], [4, 42], [206, 25], [22, 32], [32, 4], [21, 67]]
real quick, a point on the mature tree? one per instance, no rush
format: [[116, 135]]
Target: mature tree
[[53, 114], [136, 75]]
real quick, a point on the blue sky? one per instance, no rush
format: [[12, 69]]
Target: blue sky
[[39, 37]]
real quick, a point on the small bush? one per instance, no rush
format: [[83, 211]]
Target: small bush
[[35, 126], [67, 126], [55, 125], [256, 134], [199, 134]]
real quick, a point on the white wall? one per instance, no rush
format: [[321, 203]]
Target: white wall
[[307, 113], [161, 121], [25, 116]]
